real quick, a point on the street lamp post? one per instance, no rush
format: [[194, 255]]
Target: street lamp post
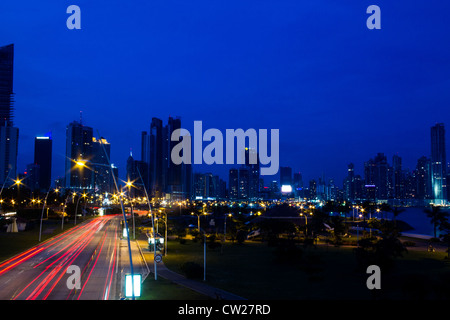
[[225, 230], [129, 185], [165, 233], [204, 246], [357, 229], [64, 213], [204, 240], [198, 220], [124, 218], [42, 213], [84, 195], [153, 224]]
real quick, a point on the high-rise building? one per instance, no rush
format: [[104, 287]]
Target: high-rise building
[[349, 183], [173, 172], [43, 158], [157, 183], [233, 184], [376, 176], [79, 147], [33, 176], [102, 180], [398, 188], [252, 164], [298, 185], [6, 85], [135, 169], [9, 143], [286, 176], [438, 164], [312, 189], [165, 178], [9, 135], [207, 186], [243, 182], [423, 179]]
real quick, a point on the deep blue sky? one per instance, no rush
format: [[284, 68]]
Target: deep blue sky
[[337, 91]]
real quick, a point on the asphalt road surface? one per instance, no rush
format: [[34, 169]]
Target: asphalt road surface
[[94, 248]]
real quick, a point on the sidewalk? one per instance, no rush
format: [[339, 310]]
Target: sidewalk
[[201, 287]]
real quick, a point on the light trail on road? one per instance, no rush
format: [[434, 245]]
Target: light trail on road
[[37, 273]]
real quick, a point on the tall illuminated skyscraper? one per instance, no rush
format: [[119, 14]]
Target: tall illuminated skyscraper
[[43, 158], [79, 146], [6, 85], [438, 164], [9, 135]]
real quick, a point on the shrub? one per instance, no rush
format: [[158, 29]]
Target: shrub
[[241, 236]]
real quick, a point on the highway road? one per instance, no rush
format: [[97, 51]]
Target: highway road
[[94, 246]]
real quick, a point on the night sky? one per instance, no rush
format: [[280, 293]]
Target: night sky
[[338, 92]]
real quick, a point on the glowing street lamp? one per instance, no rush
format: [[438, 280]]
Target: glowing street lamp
[[81, 163], [129, 184], [43, 208]]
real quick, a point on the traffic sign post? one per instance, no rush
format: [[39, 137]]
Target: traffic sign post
[[158, 258]]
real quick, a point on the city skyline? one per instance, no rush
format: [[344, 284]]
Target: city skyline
[[340, 96]]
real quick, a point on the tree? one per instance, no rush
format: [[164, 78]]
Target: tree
[[339, 228], [381, 252], [317, 222], [437, 217], [396, 211], [445, 228]]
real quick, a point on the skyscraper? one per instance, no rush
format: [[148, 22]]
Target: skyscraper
[[397, 178], [157, 184], [376, 176], [78, 147], [173, 172], [286, 180], [233, 184], [349, 183], [438, 164], [9, 135], [423, 179], [252, 164], [101, 172], [43, 158], [164, 177], [6, 85]]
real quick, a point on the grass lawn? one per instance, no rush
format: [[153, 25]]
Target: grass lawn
[[14, 243], [163, 289], [254, 271]]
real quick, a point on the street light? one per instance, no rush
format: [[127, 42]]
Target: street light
[[204, 239], [153, 223], [165, 231], [357, 228], [123, 212], [198, 219], [129, 184], [78, 201], [225, 229], [43, 208]]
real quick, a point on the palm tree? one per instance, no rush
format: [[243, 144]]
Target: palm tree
[[396, 211], [445, 228], [437, 217]]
